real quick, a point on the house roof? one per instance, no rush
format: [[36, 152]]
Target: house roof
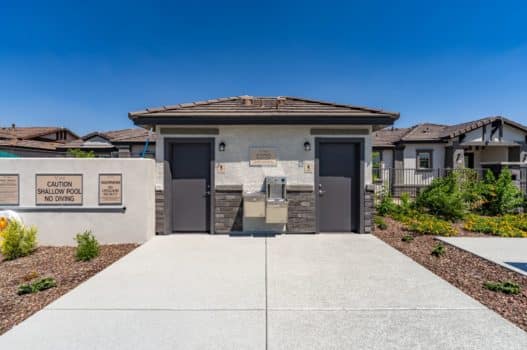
[[240, 109], [130, 135], [133, 135], [32, 144], [386, 138], [424, 132], [459, 129], [31, 132], [428, 132]]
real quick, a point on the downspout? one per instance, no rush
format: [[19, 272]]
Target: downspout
[[145, 149]]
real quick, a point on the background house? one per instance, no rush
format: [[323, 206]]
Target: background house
[[56, 141], [117, 143], [405, 159], [33, 141]]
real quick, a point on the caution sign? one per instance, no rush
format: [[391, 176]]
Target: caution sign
[[60, 189]]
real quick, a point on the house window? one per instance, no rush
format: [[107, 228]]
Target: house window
[[424, 159]]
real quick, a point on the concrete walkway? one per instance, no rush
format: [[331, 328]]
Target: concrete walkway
[[499, 250], [286, 292]]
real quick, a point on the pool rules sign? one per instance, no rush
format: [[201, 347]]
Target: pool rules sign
[[61, 189], [110, 189]]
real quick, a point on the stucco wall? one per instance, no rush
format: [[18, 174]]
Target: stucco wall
[[387, 159], [288, 142], [513, 134], [410, 154], [494, 154], [509, 134], [58, 226]]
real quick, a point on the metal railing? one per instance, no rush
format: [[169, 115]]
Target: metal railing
[[412, 181]]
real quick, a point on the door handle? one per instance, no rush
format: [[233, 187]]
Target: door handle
[[321, 192], [207, 193]]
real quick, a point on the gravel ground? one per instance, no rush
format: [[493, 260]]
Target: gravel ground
[[56, 262], [464, 270]]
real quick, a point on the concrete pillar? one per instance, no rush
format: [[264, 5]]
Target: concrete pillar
[[458, 156], [523, 152]]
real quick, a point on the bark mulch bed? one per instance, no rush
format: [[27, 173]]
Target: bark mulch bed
[[464, 270], [56, 262]]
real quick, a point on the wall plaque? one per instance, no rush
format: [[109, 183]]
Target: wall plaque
[[262, 156], [110, 189], [60, 189], [9, 189]]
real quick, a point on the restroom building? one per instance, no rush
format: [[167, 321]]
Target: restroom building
[[263, 164]]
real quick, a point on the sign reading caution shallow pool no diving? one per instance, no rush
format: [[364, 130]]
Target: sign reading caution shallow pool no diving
[[60, 189]]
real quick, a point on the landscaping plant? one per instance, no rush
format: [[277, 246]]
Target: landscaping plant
[[503, 196], [407, 238], [386, 205], [444, 197], [380, 223], [504, 226], [506, 287], [87, 246], [42, 284], [17, 240], [438, 250], [78, 153], [430, 225]]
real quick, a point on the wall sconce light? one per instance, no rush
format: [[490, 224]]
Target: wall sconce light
[[221, 146], [307, 146]]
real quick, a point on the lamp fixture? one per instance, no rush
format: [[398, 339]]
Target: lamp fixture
[[221, 146], [307, 146]]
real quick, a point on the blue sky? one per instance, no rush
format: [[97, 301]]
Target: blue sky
[[84, 66]]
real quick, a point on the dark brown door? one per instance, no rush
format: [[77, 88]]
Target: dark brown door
[[191, 185], [337, 182]]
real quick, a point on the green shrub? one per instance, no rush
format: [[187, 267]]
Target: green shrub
[[78, 153], [17, 240], [42, 284], [430, 225], [439, 250], [386, 205], [504, 287], [444, 197], [407, 238], [472, 188], [87, 246], [380, 223], [406, 207], [507, 196]]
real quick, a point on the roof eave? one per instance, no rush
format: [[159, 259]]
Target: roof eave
[[237, 119]]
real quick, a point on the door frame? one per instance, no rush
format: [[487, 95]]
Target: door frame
[[211, 141], [358, 141]]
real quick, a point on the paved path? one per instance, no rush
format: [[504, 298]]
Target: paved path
[[500, 250], [286, 292]]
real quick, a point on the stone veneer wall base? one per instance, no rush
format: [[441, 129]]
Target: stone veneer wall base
[[301, 214], [228, 209], [160, 213]]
